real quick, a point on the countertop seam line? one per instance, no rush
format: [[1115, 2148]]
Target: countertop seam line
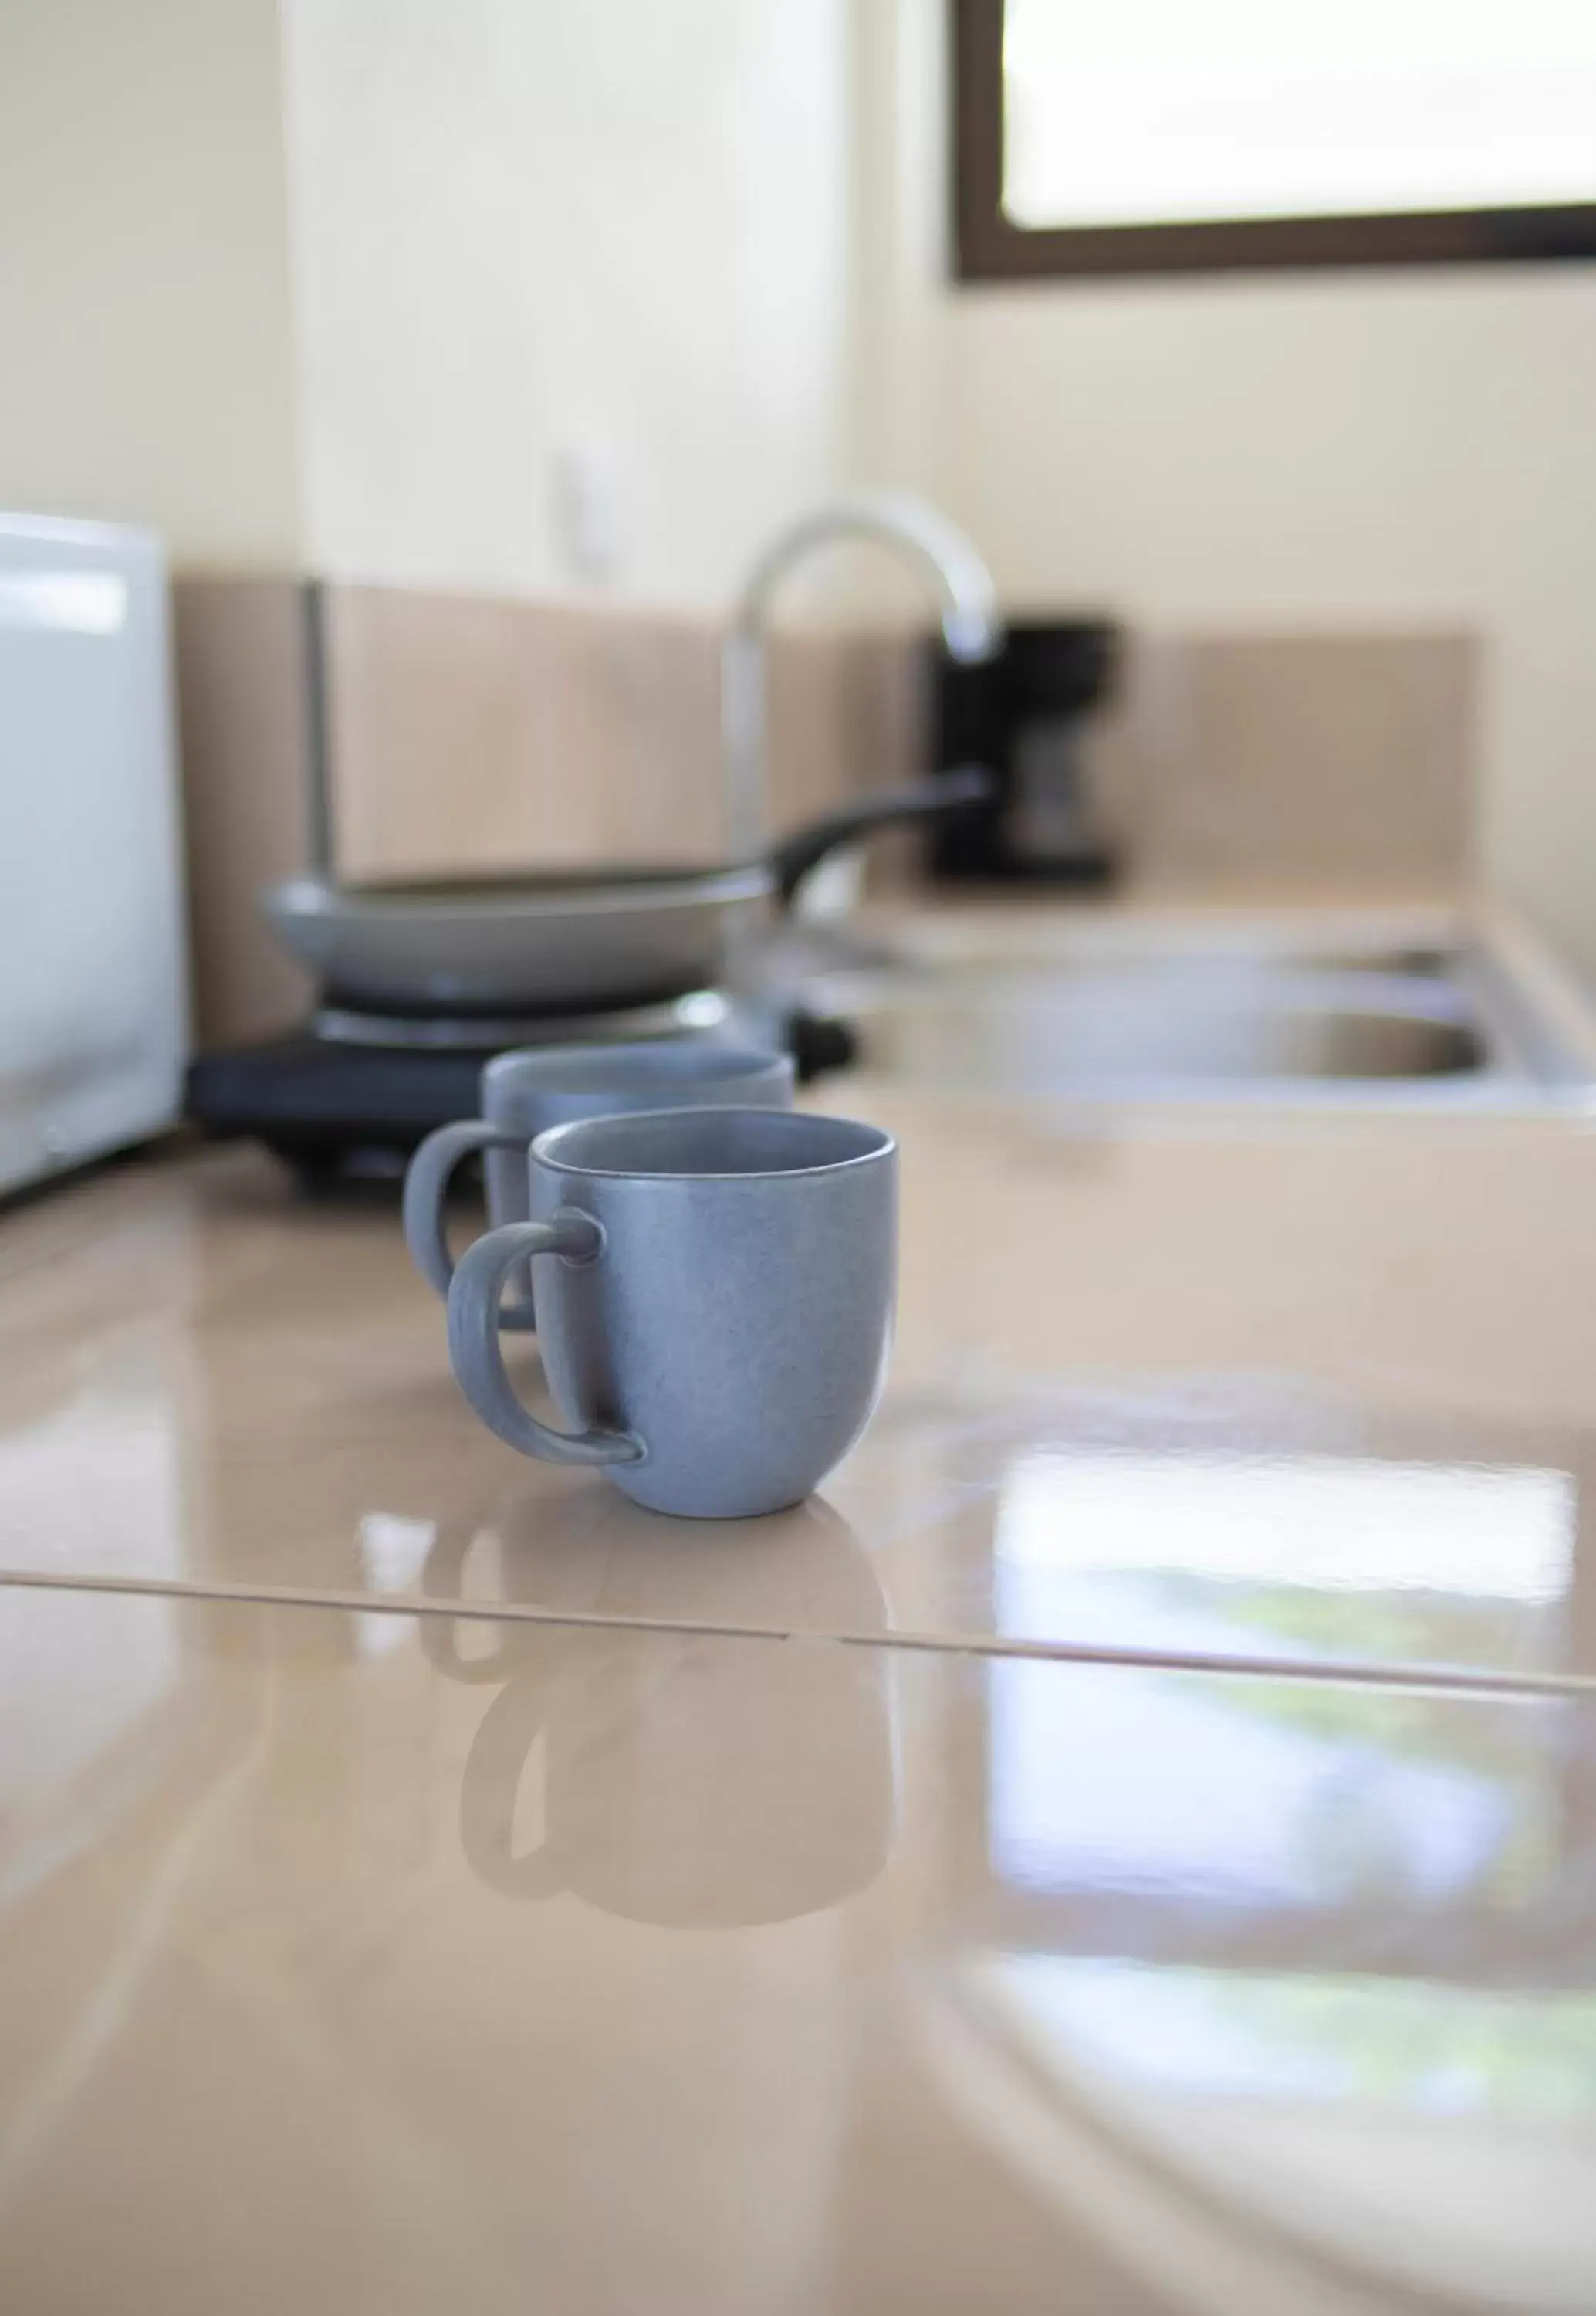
[[1444, 1679]]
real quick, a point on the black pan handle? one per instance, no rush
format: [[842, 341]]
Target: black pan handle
[[791, 860]]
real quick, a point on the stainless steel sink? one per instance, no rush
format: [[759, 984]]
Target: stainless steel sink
[[1422, 964], [1226, 1010], [1053, 1032]]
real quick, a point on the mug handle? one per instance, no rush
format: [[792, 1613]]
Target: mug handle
[[494, 1768], [474, 1347], [426, 1188]]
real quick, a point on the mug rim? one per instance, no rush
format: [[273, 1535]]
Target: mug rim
[[546, 1150], [552, 1069]]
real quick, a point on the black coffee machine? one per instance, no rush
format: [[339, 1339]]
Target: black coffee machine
[[1023, 714]]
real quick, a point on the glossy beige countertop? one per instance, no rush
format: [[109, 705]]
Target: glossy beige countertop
[[1322, 1392], [1130, 1846], [401, 1963]]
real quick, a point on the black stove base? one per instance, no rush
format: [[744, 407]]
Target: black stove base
[[333, 1110], [338, 1111]]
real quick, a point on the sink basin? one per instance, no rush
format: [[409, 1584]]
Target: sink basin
[[1143, 1008], [1424, 963], [1058, 1032]]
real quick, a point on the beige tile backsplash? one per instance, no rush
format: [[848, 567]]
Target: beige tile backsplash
[[239, 645], [470, 734], [475, 733], [1349, 760]]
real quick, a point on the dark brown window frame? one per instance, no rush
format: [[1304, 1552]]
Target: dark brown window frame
[[988, 246]]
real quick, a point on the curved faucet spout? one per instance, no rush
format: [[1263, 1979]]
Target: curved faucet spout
[[970, 625]]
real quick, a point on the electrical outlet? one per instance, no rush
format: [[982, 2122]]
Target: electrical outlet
[[584, 502]]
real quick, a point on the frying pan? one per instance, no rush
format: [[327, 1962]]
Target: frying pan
[[569, 942]]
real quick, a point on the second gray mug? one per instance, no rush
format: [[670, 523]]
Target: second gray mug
[[526, 1092], [715, 1296]]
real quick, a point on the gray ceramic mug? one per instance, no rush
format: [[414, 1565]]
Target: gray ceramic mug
[[526, 1092], [714, 1297]]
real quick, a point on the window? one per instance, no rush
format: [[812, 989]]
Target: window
[[1167, 136]]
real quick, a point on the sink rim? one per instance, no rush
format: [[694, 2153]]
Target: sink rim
[[1536, 1028], [1252, 1041]]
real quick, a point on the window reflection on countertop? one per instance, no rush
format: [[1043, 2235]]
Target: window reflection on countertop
[[1318, 1556]]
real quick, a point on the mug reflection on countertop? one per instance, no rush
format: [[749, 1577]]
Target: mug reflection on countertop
[[690, 1778]]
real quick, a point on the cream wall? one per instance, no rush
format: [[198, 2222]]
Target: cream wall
[[1265, 451], [519, 228], [145, 369], [524, 227]]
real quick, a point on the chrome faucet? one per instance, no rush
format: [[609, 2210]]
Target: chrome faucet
[[969, 627]]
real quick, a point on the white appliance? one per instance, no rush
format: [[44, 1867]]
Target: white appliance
[[94, 1014]]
